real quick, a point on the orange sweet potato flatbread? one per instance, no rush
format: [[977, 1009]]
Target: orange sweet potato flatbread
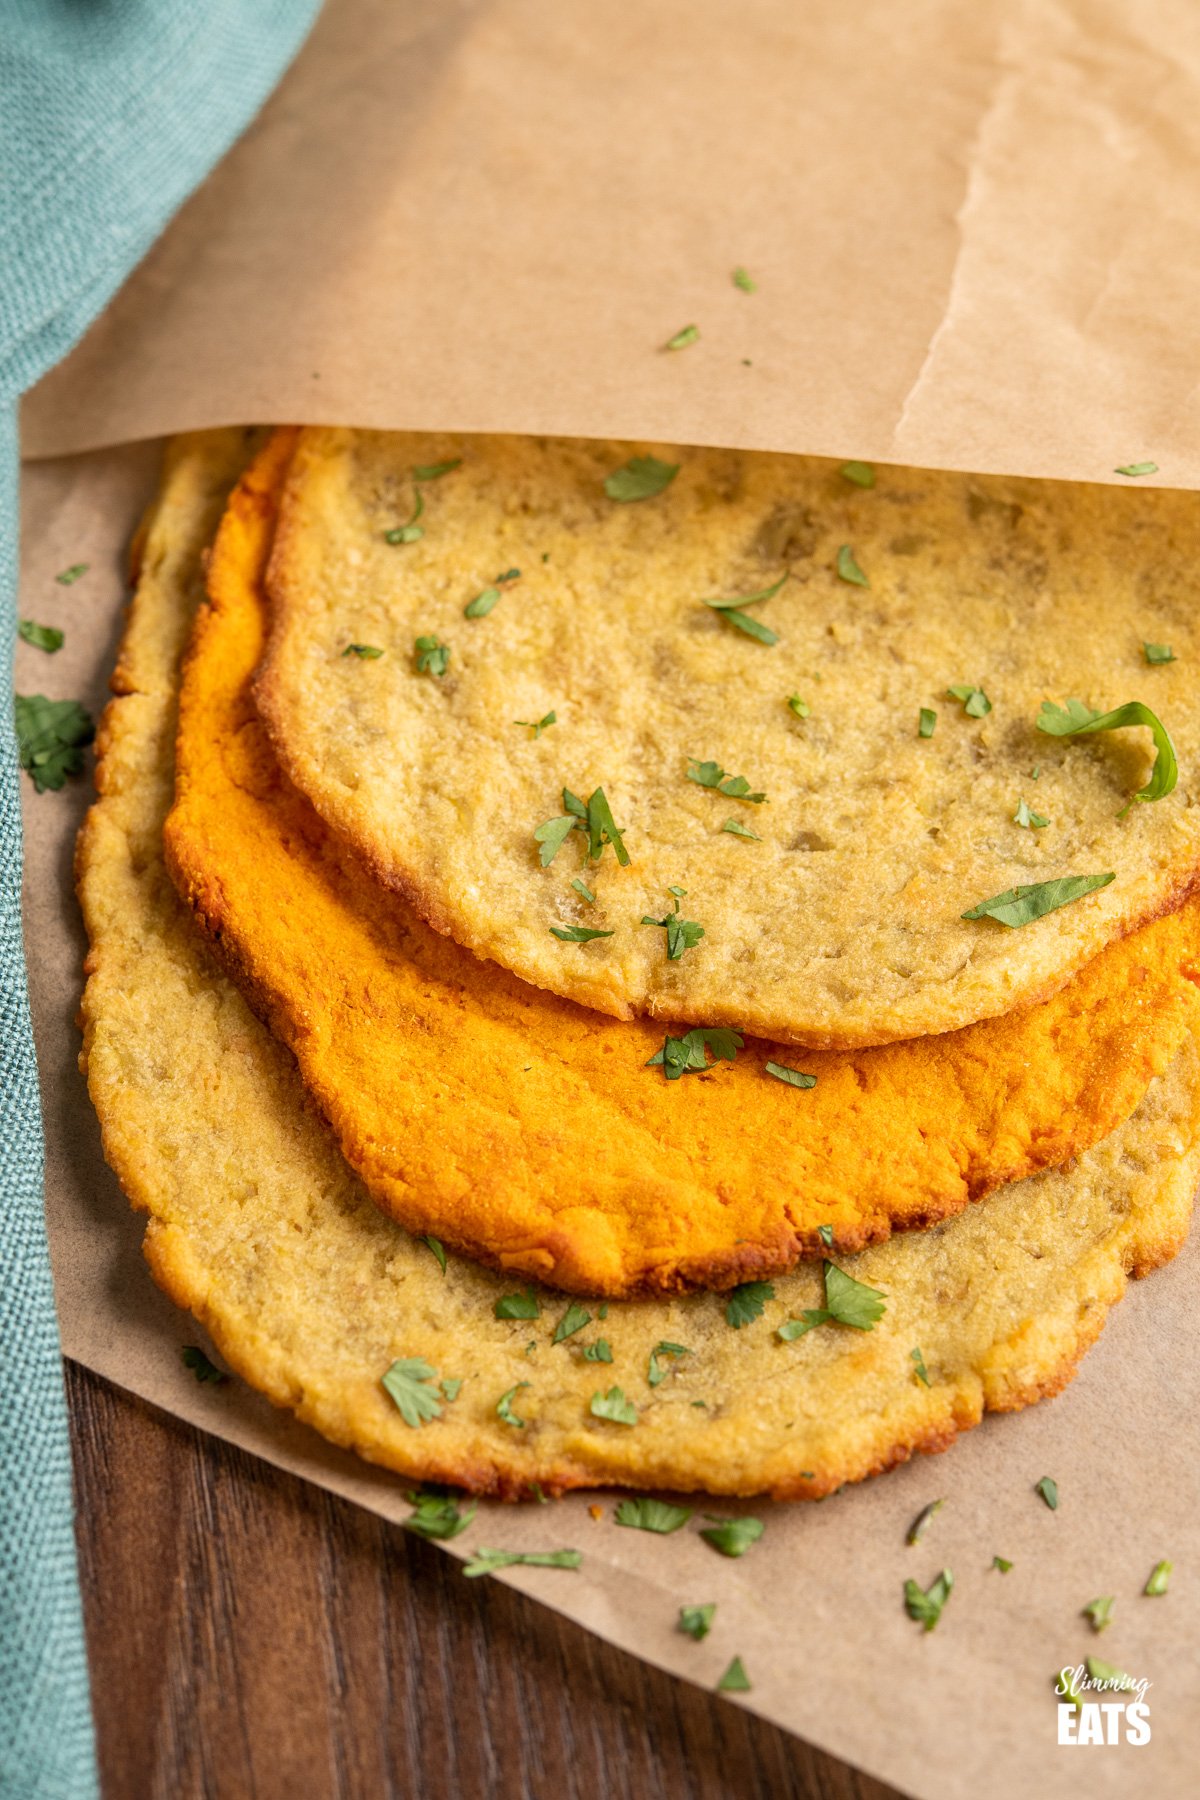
[[528, 1132]]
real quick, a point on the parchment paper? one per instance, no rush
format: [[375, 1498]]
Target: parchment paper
[[975, 230], [815, 1609]]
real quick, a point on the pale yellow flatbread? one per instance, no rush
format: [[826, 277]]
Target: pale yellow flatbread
[[258, 1226], [843, 924]]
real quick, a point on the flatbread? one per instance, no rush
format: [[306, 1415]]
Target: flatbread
[[843, 925], [530, 1134], [309, 1292]]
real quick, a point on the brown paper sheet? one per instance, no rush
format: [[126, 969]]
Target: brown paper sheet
[[814, 1609], [974, 228]]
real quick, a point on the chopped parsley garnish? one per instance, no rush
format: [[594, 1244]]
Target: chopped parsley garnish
[[410, 532], [920, 1524], [712, 775], [193, 1358], [696, 1621], [584, 891], [792, 1077], [1117, 1680], [437, 1516], [655, 1373], [1024, 815], [744, 281], [682, 934], [577, 934], [504, 1407], [482, 604], [537, 726], [641, 478], [926, 722], [67, 576], [518, 1306], [433, 657], [735, 1679], [1159, 1576], [51, 735], [434, 1246], [746, 1303], [925, 1606], [613, 1406], [1020, 905], [732, 1537], [573, 1320], [451, 1386], [686, 1055], [800, 707], [848, 569], [1075, 719], [690, 334], [735, 829], [1158, 653], [975, 702], [366, 652], [1143, 468], [595, 820], [1099, 1612], [434, 471], [1002, 1563], [412, 1384], [732, 611], [600, 1351], [653, 1515], [43, 637], [825, 1233], [847, 1302], [919, 1368], [860, 473], [486, 1562], [1047, 1487]]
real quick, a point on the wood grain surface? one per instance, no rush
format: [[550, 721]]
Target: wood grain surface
[[252, 1636]]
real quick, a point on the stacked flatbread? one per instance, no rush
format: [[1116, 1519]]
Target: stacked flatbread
[[681, 961]]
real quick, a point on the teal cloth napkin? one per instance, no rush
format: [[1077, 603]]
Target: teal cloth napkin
[[111, 112]]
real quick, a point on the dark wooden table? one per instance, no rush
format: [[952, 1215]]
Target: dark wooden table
[[253, 1636]]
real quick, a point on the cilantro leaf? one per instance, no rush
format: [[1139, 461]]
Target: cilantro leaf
[[1159, 1576], [696, 1621], [686, 1055], [744, 281], [410, 532], [1158, 653], [690, 334], [577, 934], [848, 569], [1047, 1487], [641, 478], [682, 934], [792, 1077], [746, 1303], [434, 1246], [43, 637], [655, 1373], [847, 1302], [762, 634], [573, 1320], [825, 1233], [653, 1515], [920, 1524], [613, 1406], [975, 702], [482, 604], [452, 1386], [734, 1680], [1142, 468], [860, 473], [518, 1306], [603, 830], [1117, 1680], [1020, 905], [1074, 719], [537, 726], [735, 604], [926, 1606], [365, 652], [437, 1516], [435, 471], [1099, 1612], [599, 1352], [193, 1358], [51, 735], [584, 891], [732, 1537], [926, 722], [486, 1562], [800, 707], [712, 775], [1025, 816], [504, 1409], [433, 657], [1002, 1563], [743, 831], [67, 577], [412, 1385], [552, 836], [920, 1370]]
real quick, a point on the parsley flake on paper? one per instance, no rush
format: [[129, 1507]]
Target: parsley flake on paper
[[690, 334], [847, 1302], [433, 657], [1098, 1613], [1159, 1577], [573, 1320], [746, 1303], [735, 1679], [67, 577], [614, 1407], [732, 1537], [1002, 1563], [653, 1515], [975, 702], [435, 1249], [792, 1077], [193, 1358], [577, 934], [364, 652], [641, 478], [682, 934], [1075, 719], [860, 473], [926, 722], [655, 1372], [1158, 653], [537, 726], [486, 1562], [410, 532], [518, 1306], [43, 637], [744, 281], [686, 1055], [1020, 905], [712, 775], [1142, 468], [848, 569], [504, 1406], [696, 1621], [919, 1369], [412, 1384], [920, 1524], [925, 1605], [437, 1516], [1047, 1487], [51, 735]]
